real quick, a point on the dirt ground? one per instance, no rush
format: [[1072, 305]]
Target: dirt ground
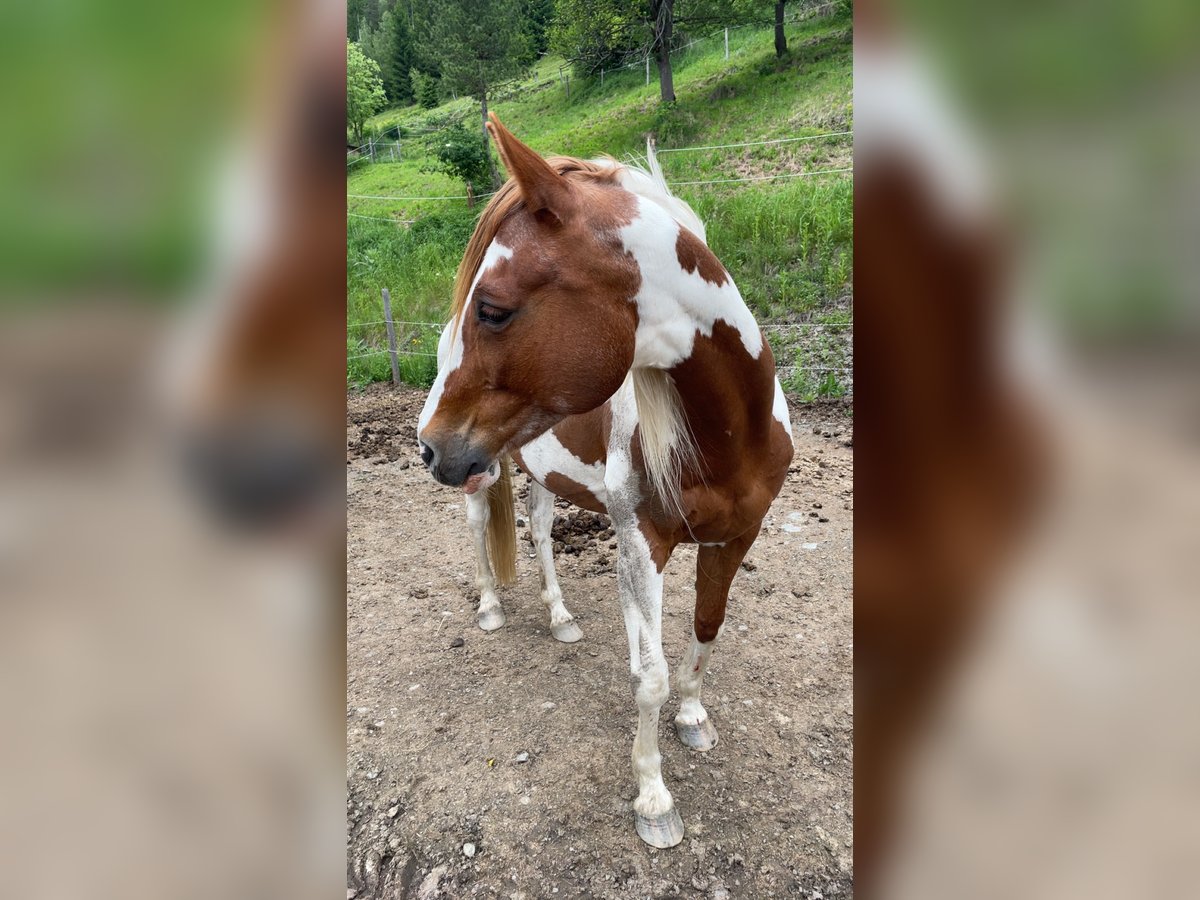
[[498, 765]]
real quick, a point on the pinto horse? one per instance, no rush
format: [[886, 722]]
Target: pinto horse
[[596, 340]]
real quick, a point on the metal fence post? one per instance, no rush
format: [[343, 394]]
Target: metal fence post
[[391, 334], [647, 70], [727, 43]]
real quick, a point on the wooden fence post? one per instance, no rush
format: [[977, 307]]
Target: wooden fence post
[[391, 333], [601, 78], [647, 69], [727, 43]]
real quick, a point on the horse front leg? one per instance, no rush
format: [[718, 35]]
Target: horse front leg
[[490, 615], [541, 522], [715, 567], [640, 586]]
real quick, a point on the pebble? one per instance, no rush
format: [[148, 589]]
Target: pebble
[[393, 812], [547, 706], [457, 642], [468, 850], [521, 757]]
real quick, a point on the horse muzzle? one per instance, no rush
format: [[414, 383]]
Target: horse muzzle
[[456, 463]]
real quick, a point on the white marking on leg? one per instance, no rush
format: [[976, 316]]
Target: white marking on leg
[[489, 601], [640, 587], [688, 678], [541, 520]]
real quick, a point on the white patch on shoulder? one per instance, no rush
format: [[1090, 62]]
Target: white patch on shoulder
[[450, 345], [779, 409], [674, 304]]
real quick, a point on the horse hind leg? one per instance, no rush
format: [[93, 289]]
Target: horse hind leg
[[715, 568], [490, 615], [541, 520]]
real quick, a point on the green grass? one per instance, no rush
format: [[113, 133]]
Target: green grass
[[787, 242]]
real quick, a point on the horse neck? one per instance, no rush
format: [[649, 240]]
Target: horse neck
[[693, 323]]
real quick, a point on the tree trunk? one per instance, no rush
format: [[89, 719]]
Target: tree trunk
[[780, 37], [664, 24], [487, 146]]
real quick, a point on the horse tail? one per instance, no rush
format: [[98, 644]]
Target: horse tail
[[502, 526]]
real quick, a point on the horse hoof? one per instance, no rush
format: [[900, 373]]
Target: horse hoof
[[491, 619], [660, 831], [701, 736], [568, 632]]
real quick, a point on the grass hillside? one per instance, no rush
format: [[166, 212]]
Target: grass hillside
[[786, 241]]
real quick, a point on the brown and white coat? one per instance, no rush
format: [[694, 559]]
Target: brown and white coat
[[599, 342]]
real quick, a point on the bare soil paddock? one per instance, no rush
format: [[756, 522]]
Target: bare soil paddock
[[520, 746]]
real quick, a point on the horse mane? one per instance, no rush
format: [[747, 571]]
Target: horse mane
[[667, 444]]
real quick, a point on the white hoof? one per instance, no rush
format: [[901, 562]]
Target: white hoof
[[661, 831], [700, 736], [567, 632], [491, 619]]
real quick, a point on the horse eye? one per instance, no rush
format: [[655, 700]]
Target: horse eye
[[493, 315]]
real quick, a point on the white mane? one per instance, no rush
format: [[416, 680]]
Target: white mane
[[650, 184]]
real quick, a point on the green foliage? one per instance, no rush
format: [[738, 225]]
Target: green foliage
[[364, 90], [424, 89], [390, 45], [538, 14], [477, 42], [788, 243], [464, 155], [597, 34]]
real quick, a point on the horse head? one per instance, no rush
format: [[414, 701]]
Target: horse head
[[542, 325]]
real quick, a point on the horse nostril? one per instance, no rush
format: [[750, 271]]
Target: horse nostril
[[477, 467], [426, 454]]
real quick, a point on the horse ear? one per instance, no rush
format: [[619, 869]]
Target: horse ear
[[546, 192]]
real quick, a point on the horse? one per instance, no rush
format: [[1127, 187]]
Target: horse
[[596, 340]]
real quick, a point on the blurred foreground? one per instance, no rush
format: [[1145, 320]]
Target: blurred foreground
[[171, 471], [1027, 472]]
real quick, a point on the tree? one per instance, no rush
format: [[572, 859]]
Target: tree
[[354, 17], [424, 88], [599, 33], [391, 46], [364, 90], [780, 37], [662, 24], [400, 59], [479, 43], [538, 16]]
